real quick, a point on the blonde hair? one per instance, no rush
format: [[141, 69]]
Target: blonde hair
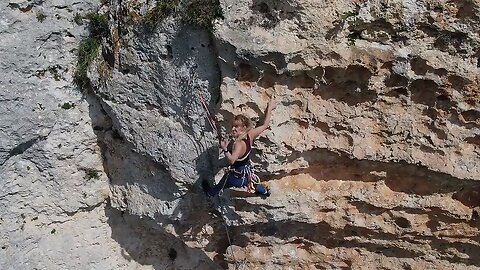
[[246, 122]]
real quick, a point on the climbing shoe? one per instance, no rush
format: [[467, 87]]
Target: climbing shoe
[[262, 191]]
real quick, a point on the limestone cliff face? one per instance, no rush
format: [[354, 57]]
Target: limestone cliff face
[[387, 82], [52, 180], [374, 146], [372, 155]]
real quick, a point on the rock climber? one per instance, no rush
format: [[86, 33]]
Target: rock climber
[[237, 152]]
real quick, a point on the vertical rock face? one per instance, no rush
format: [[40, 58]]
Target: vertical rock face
[[387, 82], [373, 151], [152, 95], [372, 155], [56, 190], [52, 181]]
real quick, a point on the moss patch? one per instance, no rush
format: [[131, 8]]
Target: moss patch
[[67, 105], [89, 46], [41, 17]]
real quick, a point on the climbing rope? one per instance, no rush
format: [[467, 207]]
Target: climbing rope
[[212, 122], [253, 179], [222, 207]]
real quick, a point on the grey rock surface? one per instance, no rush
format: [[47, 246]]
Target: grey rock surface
[[157, 147], [53, 186]]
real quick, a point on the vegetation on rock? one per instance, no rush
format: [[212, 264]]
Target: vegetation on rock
[[91, 173], [68, 105], [162, 9], [88, 48], [203, 13], [86, 53], [98, 25], [41, 17]]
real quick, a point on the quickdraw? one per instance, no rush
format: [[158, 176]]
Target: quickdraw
[[253, 182]]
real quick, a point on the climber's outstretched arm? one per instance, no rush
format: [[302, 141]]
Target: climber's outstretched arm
[[253, 133]]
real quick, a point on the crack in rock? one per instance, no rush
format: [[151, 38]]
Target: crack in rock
[[85, 209], [21, 148]]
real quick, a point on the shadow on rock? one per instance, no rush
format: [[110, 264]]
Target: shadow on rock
[[399, 176], [143, 241], [350, 236]]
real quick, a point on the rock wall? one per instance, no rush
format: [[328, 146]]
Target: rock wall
[[53, 185], [372, 153], [371, 156]]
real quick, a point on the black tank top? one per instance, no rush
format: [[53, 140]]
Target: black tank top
[[245, 158]]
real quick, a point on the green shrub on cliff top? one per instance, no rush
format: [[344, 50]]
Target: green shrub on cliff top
[[203, 13], [162, 9]]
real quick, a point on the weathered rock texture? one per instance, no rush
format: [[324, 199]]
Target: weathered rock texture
[[375, 142], [372, 156], [51, 208]]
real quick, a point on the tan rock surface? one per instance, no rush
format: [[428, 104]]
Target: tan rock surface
[[372, 155]]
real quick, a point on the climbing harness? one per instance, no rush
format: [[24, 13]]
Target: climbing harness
[[247, 173], [253, 180]]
